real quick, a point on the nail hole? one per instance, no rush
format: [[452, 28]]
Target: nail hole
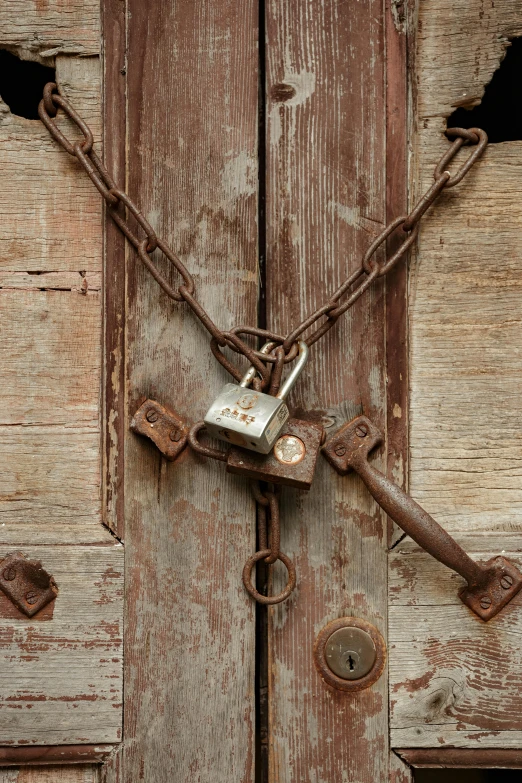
[[282, 92], [22, 83], [500, 110]]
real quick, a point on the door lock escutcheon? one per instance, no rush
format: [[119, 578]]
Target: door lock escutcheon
[[491, 585]]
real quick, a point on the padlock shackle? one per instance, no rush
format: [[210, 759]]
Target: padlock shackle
[[289, 384]]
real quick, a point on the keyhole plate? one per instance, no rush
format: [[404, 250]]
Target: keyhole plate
[[350, 654]]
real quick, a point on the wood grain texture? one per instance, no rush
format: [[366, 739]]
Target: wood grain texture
[[51, 211], [62, 672], [45, 28], [61, 680], [326, 201], [85, 773], [192, 161], [453, 679], [50, 250], [114, 24], [399, 771], [466, 311]]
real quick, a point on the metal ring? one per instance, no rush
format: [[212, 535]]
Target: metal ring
[[268, 599]]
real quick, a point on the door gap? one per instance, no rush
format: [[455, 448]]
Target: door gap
[[261, 654], [500, 111], [22, 83]]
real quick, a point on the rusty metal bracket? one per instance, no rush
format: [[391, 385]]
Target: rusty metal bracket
[[26, 583], [490, 586], [163, 426], [292, 460]]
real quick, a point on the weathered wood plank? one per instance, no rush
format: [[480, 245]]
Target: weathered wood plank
[[51, 477], [114, 25], [466, 311], [325, 203], [188, 526], [51, 319], [61, 680], [399, 771], [51, 211], [51, 353], [44, 29], [84, 773], [452, 676]]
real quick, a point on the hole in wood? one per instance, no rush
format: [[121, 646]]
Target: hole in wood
[[22, 83], [500, 110], [467, 776]]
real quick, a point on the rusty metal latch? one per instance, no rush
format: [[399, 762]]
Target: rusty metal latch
[[490, 586], [163, 426], [26, 583]]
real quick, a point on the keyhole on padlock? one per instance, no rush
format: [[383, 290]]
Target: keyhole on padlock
[[351, 663]]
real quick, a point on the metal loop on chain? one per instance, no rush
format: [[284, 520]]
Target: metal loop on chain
[[95, 175], [49, 106], [199, 448], [383, 269], [268, 506], [426, 201], [290, 354], [462, 136], [268, 599], [277, 371]]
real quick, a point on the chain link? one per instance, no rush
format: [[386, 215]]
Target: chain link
[[269, 536], [118, 203]]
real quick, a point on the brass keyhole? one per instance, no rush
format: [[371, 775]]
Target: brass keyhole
[[350, 653]]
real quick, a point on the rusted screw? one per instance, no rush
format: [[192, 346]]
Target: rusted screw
[[31, 597], [9, 574], [152, 415], [485, 602], [361, 431], [175, 435], [340, 451], [506, 581]]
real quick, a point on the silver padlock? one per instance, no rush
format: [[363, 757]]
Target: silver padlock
[[249, 418]]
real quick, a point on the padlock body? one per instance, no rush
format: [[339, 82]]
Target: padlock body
[[246, 418], [292, 460]]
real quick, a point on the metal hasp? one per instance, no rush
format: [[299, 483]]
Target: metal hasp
[[350, 654], [26, 583], [163, 426], [490, 586], [292, 460]]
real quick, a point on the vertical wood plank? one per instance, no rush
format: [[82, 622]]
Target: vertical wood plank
[[114, 109], [326, 201], [192, 161]]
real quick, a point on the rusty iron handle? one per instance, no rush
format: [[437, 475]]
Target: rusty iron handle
[[490, 586]]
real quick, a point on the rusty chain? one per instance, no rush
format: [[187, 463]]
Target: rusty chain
[[269, 536], [352, 288], [269, 366]]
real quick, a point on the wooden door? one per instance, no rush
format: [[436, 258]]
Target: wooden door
[[267, 143]]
